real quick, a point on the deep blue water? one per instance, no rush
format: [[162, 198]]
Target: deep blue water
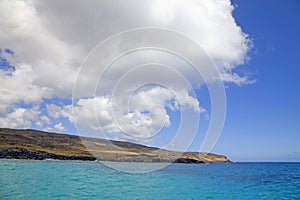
[[93, 180]]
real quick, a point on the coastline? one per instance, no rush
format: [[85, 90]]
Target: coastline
[[40, 145]]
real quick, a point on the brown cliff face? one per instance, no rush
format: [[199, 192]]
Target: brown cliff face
[[39, 145]]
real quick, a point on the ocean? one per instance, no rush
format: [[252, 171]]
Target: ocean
[[23, 179]]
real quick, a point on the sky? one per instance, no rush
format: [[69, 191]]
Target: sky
[[265, 116], [88, 69]]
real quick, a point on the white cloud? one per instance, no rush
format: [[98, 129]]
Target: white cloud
[[19, 87], [163, 96], [144, 116], [26, 118], [20, 118], [236, 79], [44, 61], [210, 23], [59, 127], [42, 121], [51, 39], [53, 110], [85, 110]]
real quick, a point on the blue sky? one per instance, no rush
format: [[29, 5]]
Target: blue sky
[[255, 48], [263, 119]]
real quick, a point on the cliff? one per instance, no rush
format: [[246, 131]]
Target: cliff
[[39, 145]]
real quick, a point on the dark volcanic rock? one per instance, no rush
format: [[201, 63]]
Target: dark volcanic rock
[[19, 153], [187, 160]]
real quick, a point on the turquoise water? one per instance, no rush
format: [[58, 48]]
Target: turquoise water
[[92, 180]]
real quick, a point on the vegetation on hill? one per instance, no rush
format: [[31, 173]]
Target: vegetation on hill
[[33, 144]]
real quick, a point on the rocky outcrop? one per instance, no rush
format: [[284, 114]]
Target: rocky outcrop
[[19, 153], [188, 160]]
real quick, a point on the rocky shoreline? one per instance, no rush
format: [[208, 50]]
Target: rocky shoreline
[[24, 154], [19, 153]]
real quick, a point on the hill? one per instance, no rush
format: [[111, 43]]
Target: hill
[[39, 145]]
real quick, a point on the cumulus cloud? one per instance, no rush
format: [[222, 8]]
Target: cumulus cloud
[[50, 41], [20, 118], [143, 116], [19, 87], [59, 127], [44, 60], [236, 79], [43, 120], [53, 110]]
